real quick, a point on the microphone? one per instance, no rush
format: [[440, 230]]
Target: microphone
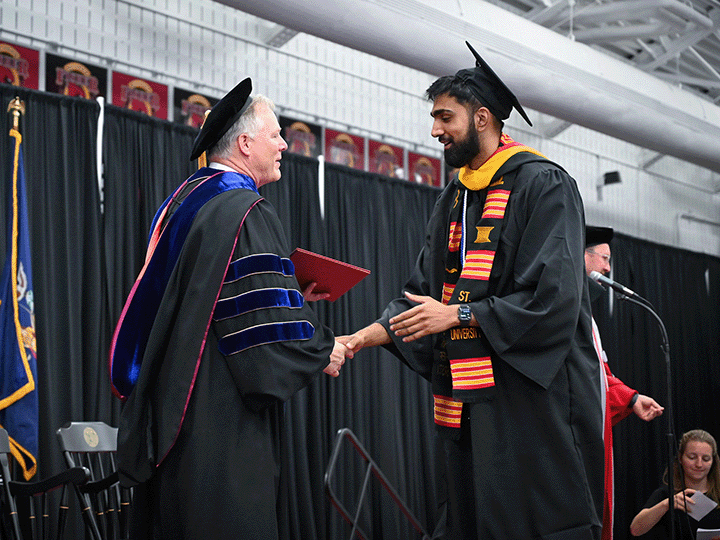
[[607, 282]]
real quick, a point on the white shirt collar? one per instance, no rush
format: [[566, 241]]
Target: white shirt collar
[[220, 166]]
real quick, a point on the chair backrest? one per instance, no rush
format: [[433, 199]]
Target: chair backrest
[[93, 445], [7, 502], [39, 504], [88, 437]]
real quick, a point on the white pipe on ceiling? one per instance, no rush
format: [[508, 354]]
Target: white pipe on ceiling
[[548, 72]]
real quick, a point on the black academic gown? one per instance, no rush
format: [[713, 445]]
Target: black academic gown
[[531, 457], [205, 459]]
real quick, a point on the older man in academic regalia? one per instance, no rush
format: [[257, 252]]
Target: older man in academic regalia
[[214, 336]]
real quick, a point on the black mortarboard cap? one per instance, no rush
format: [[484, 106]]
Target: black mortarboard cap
[[597, 235], [223, 115], [487, 87]]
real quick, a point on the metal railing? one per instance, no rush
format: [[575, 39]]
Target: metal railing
[[372, 469]]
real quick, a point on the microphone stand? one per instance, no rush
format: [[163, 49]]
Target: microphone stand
[[640, 301]]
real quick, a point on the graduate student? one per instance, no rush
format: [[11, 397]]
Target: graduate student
[[496, 314]]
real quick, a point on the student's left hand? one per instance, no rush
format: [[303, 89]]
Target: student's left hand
[[428, 317]]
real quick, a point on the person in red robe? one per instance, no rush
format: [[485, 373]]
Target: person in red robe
[[620, 400]]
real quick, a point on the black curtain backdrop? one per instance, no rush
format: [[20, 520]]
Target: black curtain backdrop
[[87, 252], [143, 164], [379, 223]]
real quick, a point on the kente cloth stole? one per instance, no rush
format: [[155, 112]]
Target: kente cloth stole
[[464, 371], [137, 318]]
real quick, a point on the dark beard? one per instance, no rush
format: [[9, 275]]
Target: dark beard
[[462, 152]]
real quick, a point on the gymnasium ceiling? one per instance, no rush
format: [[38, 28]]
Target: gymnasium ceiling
[[678, 41], [647, 71]]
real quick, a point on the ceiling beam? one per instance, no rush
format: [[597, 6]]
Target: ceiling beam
[[610, 34], [639, 10], [686, 79], [704, 63], [674, 48], [648, 158], [549, 73], [549, 15]]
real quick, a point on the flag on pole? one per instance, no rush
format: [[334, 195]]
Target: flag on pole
[[18, 352]]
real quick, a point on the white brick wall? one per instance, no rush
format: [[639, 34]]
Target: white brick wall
[[205, 45]]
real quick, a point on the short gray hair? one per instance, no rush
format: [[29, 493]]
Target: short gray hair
[[249, 122]]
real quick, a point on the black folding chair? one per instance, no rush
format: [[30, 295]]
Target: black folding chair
[[353, 518], [37, 497], [106, 505]]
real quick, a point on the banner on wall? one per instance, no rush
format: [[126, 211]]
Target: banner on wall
[[386, 159], [424, 169], [130, 92], [302, 138], [72, 78], [19, 66], [344, 149], [190, 107]]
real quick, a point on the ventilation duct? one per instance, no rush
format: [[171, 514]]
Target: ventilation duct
[[548, 72]]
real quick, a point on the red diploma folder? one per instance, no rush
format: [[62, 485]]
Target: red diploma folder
[[332, 276]]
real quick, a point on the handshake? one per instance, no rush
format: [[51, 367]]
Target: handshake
[[427, 317], [345, 347]]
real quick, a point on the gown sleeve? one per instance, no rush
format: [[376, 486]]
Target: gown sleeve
[[269, 336], [619, 396], [418, 354], [532, 320]]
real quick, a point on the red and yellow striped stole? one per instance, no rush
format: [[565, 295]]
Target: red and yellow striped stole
[[447, 412], [470, 363], [495, 203], [455, 236], [478, 264], [471, 373]]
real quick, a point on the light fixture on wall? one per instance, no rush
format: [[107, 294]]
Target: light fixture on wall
[[610, 177]]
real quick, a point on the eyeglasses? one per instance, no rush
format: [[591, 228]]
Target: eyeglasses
[[603, 256]]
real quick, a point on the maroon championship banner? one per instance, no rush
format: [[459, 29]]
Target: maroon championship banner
[[72, 78], [344, 149], [386, 159], [302, 138], [137, 94], [19, 66], [189, 107], [424, 169]]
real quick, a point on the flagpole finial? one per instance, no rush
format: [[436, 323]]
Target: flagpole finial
[[202, 159], [16, 107]]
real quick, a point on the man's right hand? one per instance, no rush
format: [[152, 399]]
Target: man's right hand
[[353, 343], [337, 359], [369, 336], [647, 408]]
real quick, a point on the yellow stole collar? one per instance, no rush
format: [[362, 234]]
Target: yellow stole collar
[[480, 178]]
